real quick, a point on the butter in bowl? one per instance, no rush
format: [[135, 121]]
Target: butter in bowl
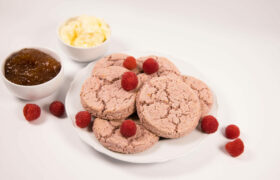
[[84, 38]]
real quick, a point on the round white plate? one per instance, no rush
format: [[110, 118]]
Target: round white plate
[[164, 150]]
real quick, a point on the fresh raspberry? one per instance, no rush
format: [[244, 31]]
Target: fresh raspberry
[[128, 128], [57, 108], [130, 63], [150, 66], [209, 124], [235, 148], [232, 131], [83, 119], [129, 81], [31, 112]]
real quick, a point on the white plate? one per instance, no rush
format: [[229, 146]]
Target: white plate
[[164, 150]]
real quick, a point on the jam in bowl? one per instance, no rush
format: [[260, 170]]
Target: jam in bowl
[[32, 73]]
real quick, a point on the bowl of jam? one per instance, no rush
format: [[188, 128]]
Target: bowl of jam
[[32, 73]]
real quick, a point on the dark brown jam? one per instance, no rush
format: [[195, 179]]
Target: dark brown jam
[[31, 67]]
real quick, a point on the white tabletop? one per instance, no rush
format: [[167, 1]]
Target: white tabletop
[[236, 44]]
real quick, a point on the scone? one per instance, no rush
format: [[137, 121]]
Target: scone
[[108, 134], [103, 96], [168, 107], [203, 92], [166, 67], [116, 59]]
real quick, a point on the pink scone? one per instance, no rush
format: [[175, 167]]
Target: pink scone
[[168, 107], [203, 92], [103, 96], [113, 60], [166, 67], [108, 134]]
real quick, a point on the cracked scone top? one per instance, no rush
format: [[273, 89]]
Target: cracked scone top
[[168, 107], [166, 67], [116, 59], [108, 134], [203, 92], [103, 96]]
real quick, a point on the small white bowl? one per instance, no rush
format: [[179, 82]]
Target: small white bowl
[[39, 91], [83, 54]]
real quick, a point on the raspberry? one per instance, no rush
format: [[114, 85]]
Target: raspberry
[[232, 131], [83, 119], [57, 108], [235, 148], [150, 66], [31, 112], [130, 63], [209, 124], [129, 81], [128, 128]]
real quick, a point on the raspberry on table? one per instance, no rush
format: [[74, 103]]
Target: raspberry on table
[[31, 112], [128, 128], [57, 108], [129, 81], [209, 124], [235, 148], [83, 119], [150, 66], [232, 131], [130, 63]]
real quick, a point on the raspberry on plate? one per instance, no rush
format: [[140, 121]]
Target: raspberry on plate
[[57, 108], [150, 66], [130, 63], [209, 124], [128, 128], [83, 119], [129, 81], [31, 112], [235, 148], [232, 131]]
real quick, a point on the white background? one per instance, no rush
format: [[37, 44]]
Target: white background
[[236, 44]]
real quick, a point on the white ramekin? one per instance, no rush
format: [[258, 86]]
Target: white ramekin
[[39, 91], [83, 54]]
